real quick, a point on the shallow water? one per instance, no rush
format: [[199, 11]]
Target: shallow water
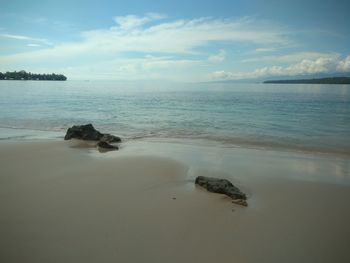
[[313, 118]]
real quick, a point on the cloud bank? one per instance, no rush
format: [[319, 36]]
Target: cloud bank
[[330, 63], [153, 46]]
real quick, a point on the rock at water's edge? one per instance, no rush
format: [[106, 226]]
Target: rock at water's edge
[[88, 132], [107, 146], [222, 186], [110, 138]]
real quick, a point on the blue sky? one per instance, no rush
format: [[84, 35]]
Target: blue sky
[[175, 40]]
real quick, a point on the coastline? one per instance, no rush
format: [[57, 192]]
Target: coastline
[[30, 134], [64, 203]]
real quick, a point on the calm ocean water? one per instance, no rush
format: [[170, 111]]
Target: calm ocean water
[[294, 117]]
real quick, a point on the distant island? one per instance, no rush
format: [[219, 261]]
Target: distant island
[[23, 75], [334, 80]]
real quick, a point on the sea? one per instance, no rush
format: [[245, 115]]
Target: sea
[[287, 117]]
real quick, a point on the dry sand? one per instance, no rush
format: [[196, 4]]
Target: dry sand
[[64, 204]]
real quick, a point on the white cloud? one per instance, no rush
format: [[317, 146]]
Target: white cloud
[[26, 38], [132, 21], [326, 64], [176, 37], [222, 74], [265, 49], [221, 56], [291, 58], [344, 65], [33, 45]]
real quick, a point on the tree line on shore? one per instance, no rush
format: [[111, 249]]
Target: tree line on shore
[[23, 75], [333, 80]]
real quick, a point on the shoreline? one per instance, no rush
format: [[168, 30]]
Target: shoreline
[[25, 134], [64, 203]]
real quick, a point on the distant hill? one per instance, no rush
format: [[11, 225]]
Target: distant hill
[[332, 80], [295, 77], [23, 75]]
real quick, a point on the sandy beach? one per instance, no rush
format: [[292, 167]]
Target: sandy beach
[[64, 203], [174, 131]]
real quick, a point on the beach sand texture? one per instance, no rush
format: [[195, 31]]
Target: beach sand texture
[[63, 204]]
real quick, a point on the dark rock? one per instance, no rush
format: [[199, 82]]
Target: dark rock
[[83, 132], [110, 138], [222, 186], [88, 132], [107, 146]]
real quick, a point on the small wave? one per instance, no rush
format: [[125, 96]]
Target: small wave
[[13, 138], [280, 144], [244, 143], [46, 129]]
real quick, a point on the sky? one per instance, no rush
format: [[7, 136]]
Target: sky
[[183, 40]]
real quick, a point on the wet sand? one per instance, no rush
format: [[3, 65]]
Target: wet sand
[[61, 203]]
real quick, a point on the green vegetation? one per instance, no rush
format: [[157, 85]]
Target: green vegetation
[[22, 75], [334, 80]]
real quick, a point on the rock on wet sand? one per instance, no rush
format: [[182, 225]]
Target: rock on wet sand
[[89, 133], [222, 186]]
